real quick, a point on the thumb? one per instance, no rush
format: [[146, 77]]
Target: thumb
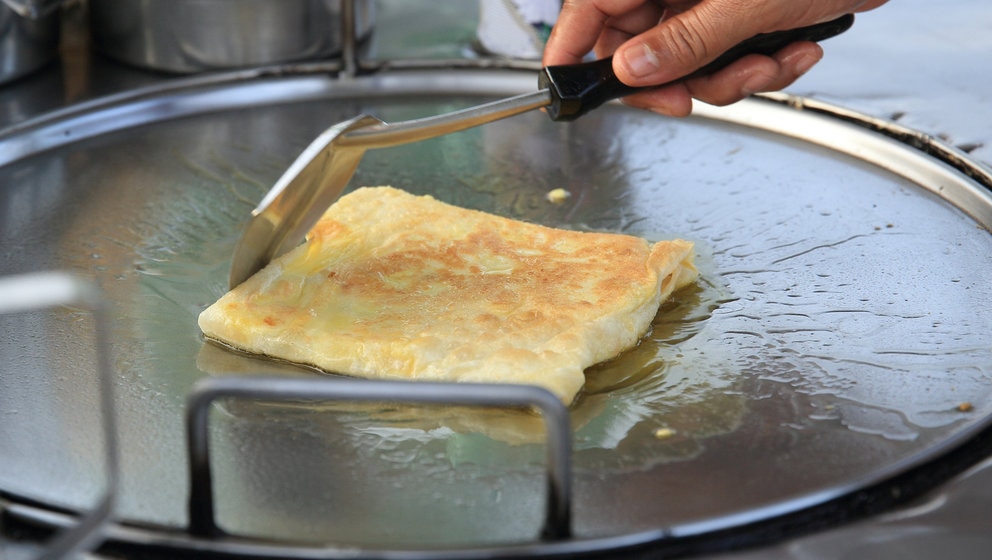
[[682, 43]]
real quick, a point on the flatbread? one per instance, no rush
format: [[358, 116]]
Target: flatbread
[[396, 286]]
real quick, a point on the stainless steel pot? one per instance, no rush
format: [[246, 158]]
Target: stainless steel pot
[[197, 35], [29, 36]]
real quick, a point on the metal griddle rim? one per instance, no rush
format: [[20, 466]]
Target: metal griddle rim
[[901, 489]]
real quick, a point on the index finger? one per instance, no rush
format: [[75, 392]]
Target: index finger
[[574, 33], [580, 25]]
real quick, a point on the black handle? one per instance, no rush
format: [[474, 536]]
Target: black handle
[[577, 89]]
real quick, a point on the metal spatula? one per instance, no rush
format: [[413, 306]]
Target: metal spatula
[[318, 176]]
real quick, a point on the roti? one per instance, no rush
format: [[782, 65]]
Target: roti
[[395, 286]]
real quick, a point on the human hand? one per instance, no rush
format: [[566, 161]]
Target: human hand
[[657, 41]]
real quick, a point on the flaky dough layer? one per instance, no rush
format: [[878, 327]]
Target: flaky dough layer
[[396, 286]]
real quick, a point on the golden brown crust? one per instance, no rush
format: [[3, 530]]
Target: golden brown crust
[[393, 285]]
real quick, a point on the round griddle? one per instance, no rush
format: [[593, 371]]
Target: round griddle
[[837, 337]]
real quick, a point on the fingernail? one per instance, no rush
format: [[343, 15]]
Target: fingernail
[[805, 63], [641, 61], [755, 83]]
